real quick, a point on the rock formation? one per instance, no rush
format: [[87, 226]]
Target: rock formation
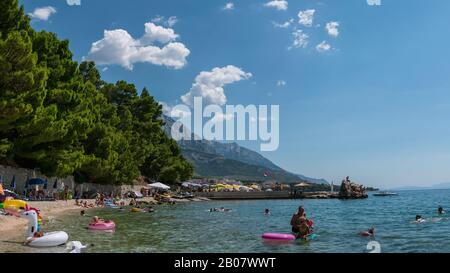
[[350, 190]]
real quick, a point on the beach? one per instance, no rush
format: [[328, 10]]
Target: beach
[[13, 228]]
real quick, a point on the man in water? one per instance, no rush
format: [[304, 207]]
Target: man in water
[[441, 210], [267, 212], [295, 219]]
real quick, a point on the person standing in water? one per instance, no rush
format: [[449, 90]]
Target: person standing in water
[[295, 219]]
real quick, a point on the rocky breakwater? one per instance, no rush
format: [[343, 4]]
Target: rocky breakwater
[[350, 190]]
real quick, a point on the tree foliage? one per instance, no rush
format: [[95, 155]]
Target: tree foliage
[[62, 118]]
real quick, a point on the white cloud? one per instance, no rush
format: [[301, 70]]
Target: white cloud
[[170, 22], [283, 25], [323, 47], [306, 17], [154, 33], [301, 39], [210, 84], [228, 6], [74, 2], [171, 111], [278, 4], [119, 47], [281, 83], [332, 29], [42, 13]]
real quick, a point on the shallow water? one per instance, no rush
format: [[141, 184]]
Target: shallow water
[[191, 228]]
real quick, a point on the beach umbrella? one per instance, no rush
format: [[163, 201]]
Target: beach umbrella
[[13, 182], [36, 182], [302, 185], [159, 185]]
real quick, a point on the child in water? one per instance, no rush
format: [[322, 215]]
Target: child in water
[[95, 220]]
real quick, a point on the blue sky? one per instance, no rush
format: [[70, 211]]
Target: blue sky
[[375, 105]]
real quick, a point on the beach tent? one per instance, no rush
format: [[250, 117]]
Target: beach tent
[[159, 185]]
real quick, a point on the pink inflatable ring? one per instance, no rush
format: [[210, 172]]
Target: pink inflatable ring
[[278, 236], [107, 225]]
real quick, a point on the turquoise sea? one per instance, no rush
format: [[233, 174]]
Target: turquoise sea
[[191, 228]]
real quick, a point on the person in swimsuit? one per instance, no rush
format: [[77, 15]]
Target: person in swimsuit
[[303, 228], [295, 217]]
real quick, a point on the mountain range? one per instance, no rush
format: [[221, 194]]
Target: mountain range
[[213, 159]]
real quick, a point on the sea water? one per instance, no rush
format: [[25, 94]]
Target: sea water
[[190, 227]]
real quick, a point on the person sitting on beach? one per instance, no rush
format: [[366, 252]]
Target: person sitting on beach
[[267, 212], [295, 217], [441, 210]]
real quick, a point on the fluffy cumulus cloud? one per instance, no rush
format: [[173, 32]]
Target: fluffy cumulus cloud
[[228, 6], [301, 39], [323, 47], [332, 29], [306, 17], [120, 48], [210, 85], [154, 33], [43, 13], [74, 2], [277, 4]]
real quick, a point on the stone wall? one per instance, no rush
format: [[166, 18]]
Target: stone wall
[[22, 175]]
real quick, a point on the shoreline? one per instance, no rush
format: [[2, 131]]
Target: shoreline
[[12, 229]]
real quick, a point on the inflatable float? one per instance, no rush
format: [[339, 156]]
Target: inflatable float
[[15, 204], [286, 237], [50, 239], [107, 225], [278, 237]]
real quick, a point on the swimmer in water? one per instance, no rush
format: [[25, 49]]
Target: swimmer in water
[[267, 212], [441, 210], [419, 219], [368, 233]]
